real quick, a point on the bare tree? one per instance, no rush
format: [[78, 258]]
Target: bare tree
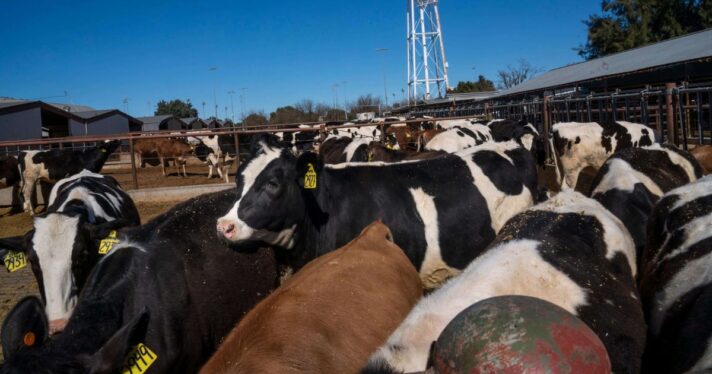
[[515, 75]]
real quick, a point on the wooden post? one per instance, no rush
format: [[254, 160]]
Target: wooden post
[[236, 138], [133, 163], [671, 137], [545, 120]]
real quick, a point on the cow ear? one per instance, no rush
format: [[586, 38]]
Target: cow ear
[[304, 162], [98, 232], [110, 358], [25, 326], [15, 243]]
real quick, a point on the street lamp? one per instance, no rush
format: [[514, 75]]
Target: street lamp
[[215, 96], [232, 107], [242, 103], [383, 67], [343, 86]]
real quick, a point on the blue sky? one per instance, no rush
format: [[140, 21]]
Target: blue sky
[[281, 51]]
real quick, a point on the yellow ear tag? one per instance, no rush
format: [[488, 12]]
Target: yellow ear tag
[[389, 146], [139, 360], [108, 243], [310, 178], [407, 135], [370, 157], [15, 261], [103, 150]]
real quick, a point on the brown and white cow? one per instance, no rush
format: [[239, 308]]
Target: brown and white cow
[[330, 315], [379, 152]]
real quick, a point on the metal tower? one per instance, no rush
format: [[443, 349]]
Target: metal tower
[[427, 66]]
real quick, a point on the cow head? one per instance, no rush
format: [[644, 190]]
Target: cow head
[[109, 146], [61, 251], [270, 201], [27, 349]]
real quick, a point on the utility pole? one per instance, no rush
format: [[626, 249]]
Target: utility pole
[[215, 97], [343, 87], [242, 103], [203, 112], [126, 105], [383, 68], [232, 107]]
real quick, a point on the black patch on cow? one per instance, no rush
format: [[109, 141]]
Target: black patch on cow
[[573, 244], [460, 133], [578, 140]]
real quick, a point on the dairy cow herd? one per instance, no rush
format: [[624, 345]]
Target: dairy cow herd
[[353, 253]]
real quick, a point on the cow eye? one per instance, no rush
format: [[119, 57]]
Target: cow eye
[[272, 185]]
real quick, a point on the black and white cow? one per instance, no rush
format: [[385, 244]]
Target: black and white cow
[[169, 284], [62, 248], [676, 281], [335, 150], [300, 141], [218, 151], [569, 251], [458, 135], [633, 179], [442, 211], [577, 145], [56, 164], [522, 132]]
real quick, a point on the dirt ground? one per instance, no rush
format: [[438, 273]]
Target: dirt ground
[[14, 286], [151, 176]]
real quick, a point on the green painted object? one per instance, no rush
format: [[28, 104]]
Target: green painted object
[[518, 334]]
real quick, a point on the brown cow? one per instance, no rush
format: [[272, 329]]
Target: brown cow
[[378, 152], [175, 149], [425, 136], [703, 155], [146, 148], [330, 316]]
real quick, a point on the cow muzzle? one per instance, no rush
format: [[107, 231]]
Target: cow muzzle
[[57, 325], [227, 228]]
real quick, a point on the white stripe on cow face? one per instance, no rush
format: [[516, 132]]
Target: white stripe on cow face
[[284, 238], [527, 141], [433, 271], [53, 242], [622, 176]]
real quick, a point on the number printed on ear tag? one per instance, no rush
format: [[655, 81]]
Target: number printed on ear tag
[[310, 178], [139, 360], [15, 261], [107, 243]]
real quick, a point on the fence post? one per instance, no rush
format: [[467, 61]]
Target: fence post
[[670, 114], [237, 148], [133, 163], [545, 120]]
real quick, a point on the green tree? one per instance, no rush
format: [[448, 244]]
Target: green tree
[[482, 84], [287, 114], [255, 119], [175, 107], [626, 24]]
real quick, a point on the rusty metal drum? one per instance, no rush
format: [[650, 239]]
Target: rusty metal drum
[[518, 334]]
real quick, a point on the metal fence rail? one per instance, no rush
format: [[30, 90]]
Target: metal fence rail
[[680, 115]]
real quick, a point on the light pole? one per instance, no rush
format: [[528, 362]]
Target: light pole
[[203, 112], [215, 96], [343, 87], [232, 107], [475, 75], [383, 67], [242, 103]]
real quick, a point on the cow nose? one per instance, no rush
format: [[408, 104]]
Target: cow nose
[[227, 229], [57, 325]]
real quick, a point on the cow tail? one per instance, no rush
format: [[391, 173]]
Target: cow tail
[[556, 159]]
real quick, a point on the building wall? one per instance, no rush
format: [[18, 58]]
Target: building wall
[[115, 124], [26, 124], [173, 124]]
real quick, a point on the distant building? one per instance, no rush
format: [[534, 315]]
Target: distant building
[[102, 122], [164, 122], [34, 119], [194, 123]]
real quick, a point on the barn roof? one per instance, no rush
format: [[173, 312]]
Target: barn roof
[[673, 51], [95, 115]]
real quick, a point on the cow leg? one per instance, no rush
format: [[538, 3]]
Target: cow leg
[[571, 178], [210, 170], [28, 189], [163, 164]]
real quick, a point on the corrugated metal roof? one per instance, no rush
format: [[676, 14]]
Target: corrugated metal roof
[[676, 50], [9, 103], [72, 108]]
